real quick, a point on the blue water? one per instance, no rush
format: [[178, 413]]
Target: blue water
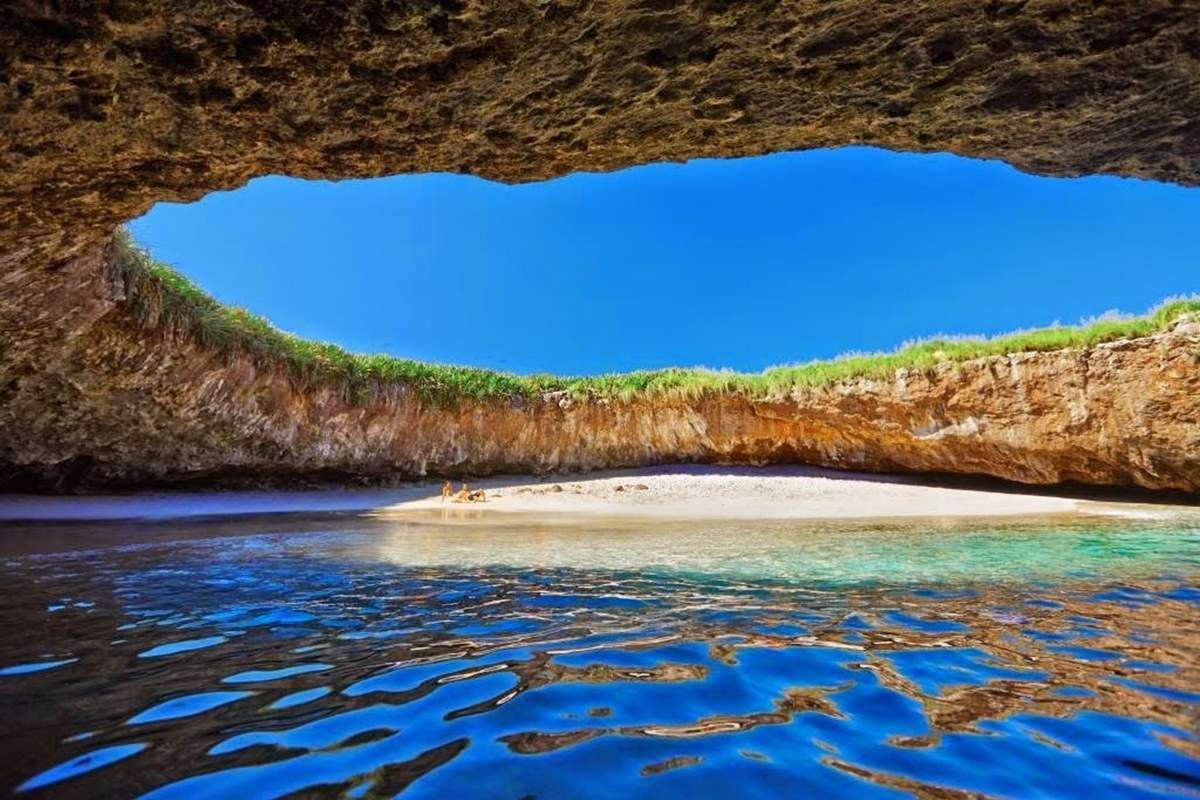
[[366, 658]]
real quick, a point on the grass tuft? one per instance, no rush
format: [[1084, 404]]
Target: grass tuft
[[158, 296]]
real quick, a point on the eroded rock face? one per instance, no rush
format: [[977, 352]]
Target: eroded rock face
[[106, 108], [120, 405]]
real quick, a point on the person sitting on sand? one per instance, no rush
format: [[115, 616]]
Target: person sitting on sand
[[478, 496], [463, 495]]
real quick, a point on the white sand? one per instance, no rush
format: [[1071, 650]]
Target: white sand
[[715, 492], [669, 492]]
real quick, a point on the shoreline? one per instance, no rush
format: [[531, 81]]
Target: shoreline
[[677, 492]]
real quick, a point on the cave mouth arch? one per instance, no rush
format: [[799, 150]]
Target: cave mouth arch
[[109, 109]]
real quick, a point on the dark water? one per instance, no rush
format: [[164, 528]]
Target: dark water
[[364, 658]]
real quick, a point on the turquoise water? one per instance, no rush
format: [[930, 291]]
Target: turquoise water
[[357, 657]]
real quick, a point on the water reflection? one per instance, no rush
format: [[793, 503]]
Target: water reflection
[[1008, 660], [933, 551]]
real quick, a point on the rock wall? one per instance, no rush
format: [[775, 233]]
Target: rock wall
[[124, 406], [108, 107]]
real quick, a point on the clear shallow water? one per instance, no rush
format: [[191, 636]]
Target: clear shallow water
[[366, 658]]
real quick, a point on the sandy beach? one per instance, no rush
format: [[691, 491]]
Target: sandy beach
[[667, 492], [717, 492]]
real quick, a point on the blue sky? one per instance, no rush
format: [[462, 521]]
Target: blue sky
[[737, 263]]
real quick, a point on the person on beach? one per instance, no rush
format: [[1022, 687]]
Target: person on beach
[[464, 495]]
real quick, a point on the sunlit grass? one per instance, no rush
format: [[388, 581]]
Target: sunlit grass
[[159, 296]]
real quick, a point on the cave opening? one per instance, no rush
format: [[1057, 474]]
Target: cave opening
[[735, 263], [116, 372]]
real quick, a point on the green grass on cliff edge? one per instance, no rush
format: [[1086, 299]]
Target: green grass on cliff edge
[[159, 296]]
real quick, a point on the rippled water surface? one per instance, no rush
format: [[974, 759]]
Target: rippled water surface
[[368, 658]]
